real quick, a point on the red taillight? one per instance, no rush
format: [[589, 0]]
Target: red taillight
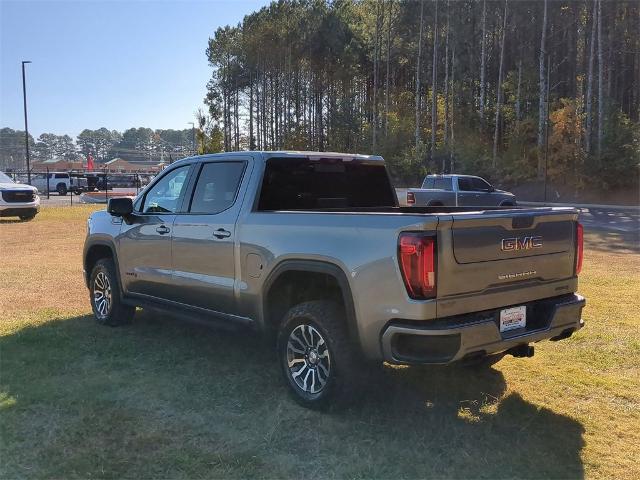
[[411, 198], [579, 247], [417, 257]]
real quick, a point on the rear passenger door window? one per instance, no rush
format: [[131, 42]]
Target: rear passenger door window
[[216, 187], [442, 184], [428, 183]]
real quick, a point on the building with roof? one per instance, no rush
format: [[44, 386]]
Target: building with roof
[[57, 164]]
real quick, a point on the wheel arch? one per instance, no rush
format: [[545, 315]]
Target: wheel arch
[[95, 251], [296, 269]]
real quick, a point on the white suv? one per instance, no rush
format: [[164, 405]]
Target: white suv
[[17, 199], [60, 182]]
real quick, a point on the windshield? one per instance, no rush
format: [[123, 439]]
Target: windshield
[[4, 178]]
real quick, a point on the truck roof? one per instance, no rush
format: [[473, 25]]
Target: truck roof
[[451, 175], [267, 154]]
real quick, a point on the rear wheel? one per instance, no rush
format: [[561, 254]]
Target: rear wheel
[[106, 303], [61, 188], [317, 358]]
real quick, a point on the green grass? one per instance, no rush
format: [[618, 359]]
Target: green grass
[[165, 399]]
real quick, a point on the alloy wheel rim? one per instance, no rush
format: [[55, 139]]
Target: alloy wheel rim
[[102, 294], [308, 359]]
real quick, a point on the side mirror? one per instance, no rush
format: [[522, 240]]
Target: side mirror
[[491, 189], [120, 207]]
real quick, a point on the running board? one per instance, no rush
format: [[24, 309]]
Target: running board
[[191, 314]]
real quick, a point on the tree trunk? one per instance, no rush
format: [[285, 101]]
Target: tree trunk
[[418, 75], [434, 81], [542, 105], [446, 89], [453, 102], [252, 145], [589, 100], [386, 83], [600, 81], [518, 112], [376, 61], [499, 94], [237, 116], [483, 62]]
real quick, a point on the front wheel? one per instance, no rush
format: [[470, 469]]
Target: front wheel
[[61, 189], [106, 302], [27, 218], [318, 360]]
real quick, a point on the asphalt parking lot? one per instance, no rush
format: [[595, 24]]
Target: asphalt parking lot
[[623, 221], [56, 200]]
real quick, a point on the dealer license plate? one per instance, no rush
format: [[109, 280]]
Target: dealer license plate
[[513, 318]]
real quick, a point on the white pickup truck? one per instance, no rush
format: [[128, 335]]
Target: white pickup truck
[[61, 182]]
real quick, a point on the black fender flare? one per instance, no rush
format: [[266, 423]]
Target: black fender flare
[[111, 246], [316, 266]]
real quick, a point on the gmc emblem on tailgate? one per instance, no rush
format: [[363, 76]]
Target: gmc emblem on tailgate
[[521, 243]]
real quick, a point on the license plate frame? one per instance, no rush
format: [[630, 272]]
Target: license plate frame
[[513, 318]]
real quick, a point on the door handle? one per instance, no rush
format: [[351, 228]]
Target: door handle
[[222, 233], [163, 229]]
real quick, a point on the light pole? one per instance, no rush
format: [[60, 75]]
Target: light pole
[[26, 126], [193, 137]]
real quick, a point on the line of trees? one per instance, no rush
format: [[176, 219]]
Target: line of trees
[[487, 87], [134, 144]]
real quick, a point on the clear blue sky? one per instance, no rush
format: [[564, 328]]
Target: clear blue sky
[[114, 64]]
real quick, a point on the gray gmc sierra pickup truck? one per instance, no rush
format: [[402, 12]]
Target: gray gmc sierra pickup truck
[[458, 191], [312, 250]]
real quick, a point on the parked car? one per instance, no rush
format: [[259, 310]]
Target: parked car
[[17, 199], [458, 190], [312, 250], [60, 182], [113, 180]]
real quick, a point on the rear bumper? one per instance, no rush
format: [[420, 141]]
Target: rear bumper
[[451, 339]]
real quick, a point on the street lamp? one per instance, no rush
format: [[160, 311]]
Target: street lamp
[[193, 137], [26, 126]]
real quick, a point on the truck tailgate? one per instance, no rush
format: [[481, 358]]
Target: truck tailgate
[[492, 251]]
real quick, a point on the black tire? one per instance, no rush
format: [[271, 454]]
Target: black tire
[[27, 218], [116, 313], [507, 204], [342, 382], [61, 188]]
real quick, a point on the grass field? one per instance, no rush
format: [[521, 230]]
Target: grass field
[[164, 399]]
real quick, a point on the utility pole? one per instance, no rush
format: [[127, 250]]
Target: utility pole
[[26, 126], [193, 137]]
